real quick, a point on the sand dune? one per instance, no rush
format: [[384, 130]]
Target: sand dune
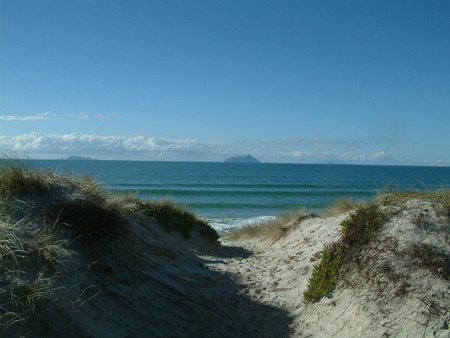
[[78, 264]]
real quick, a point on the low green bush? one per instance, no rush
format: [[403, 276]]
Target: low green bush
[[325, 273], [357, 230], [362, 225]]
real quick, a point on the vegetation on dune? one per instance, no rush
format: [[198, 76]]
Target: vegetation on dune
[[31, 259], [274, 229], [362, 225], [16, 177], [439, 199], [177, 218], [82, 202], [360, 228], [356, 231], [428, 257], [40, 210], [339, 207], [325, 273]]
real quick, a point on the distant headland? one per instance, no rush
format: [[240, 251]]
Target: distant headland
[[79, 158], [243, 159]]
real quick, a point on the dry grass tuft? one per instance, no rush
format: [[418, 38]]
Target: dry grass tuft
[[17, 177], [439, 198], [339, 207], [31, 259], [272, 230]]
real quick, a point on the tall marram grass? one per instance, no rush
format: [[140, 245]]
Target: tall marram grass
[[31, 259], [85, 205], [17, 176]]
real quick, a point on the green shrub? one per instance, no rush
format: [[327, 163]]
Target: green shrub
[[325, 273], [357, 230], [362, 225]]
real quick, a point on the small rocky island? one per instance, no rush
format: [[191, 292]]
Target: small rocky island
[[242, 159]]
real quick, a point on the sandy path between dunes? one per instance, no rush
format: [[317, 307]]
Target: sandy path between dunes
[[276, 274]]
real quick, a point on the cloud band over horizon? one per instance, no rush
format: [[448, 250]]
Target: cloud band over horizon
[[144, 147]]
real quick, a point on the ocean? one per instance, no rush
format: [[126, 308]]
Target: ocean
[[231, 195]]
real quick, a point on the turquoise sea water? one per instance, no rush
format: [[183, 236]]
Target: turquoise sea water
[[234, 194]]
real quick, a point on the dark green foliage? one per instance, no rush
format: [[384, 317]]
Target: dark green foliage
[[357, 231], [176, 218], [88, 217], [362, 225], [208, 231], [325, 273]]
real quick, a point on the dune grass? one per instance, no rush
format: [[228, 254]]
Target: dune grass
[[81, 202], [439, 198], [31, 259], [272, 230], [17, 176], [178, 218], [39, 210], [361, 227], [339, 207]]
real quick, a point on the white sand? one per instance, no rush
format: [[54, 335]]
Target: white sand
[[158, 284]]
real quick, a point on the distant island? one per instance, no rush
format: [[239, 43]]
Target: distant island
[[78, 158], [243, 159]]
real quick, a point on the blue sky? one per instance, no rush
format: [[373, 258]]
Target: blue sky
[[364, 82]]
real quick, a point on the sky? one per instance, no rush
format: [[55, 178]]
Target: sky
[[306, 81]]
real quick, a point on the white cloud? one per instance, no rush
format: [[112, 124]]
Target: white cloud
[[40, 145], [376, 156], [314, 143], [99, 145], [86, 115], [300, 154], [42, 116], [55, 116]]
